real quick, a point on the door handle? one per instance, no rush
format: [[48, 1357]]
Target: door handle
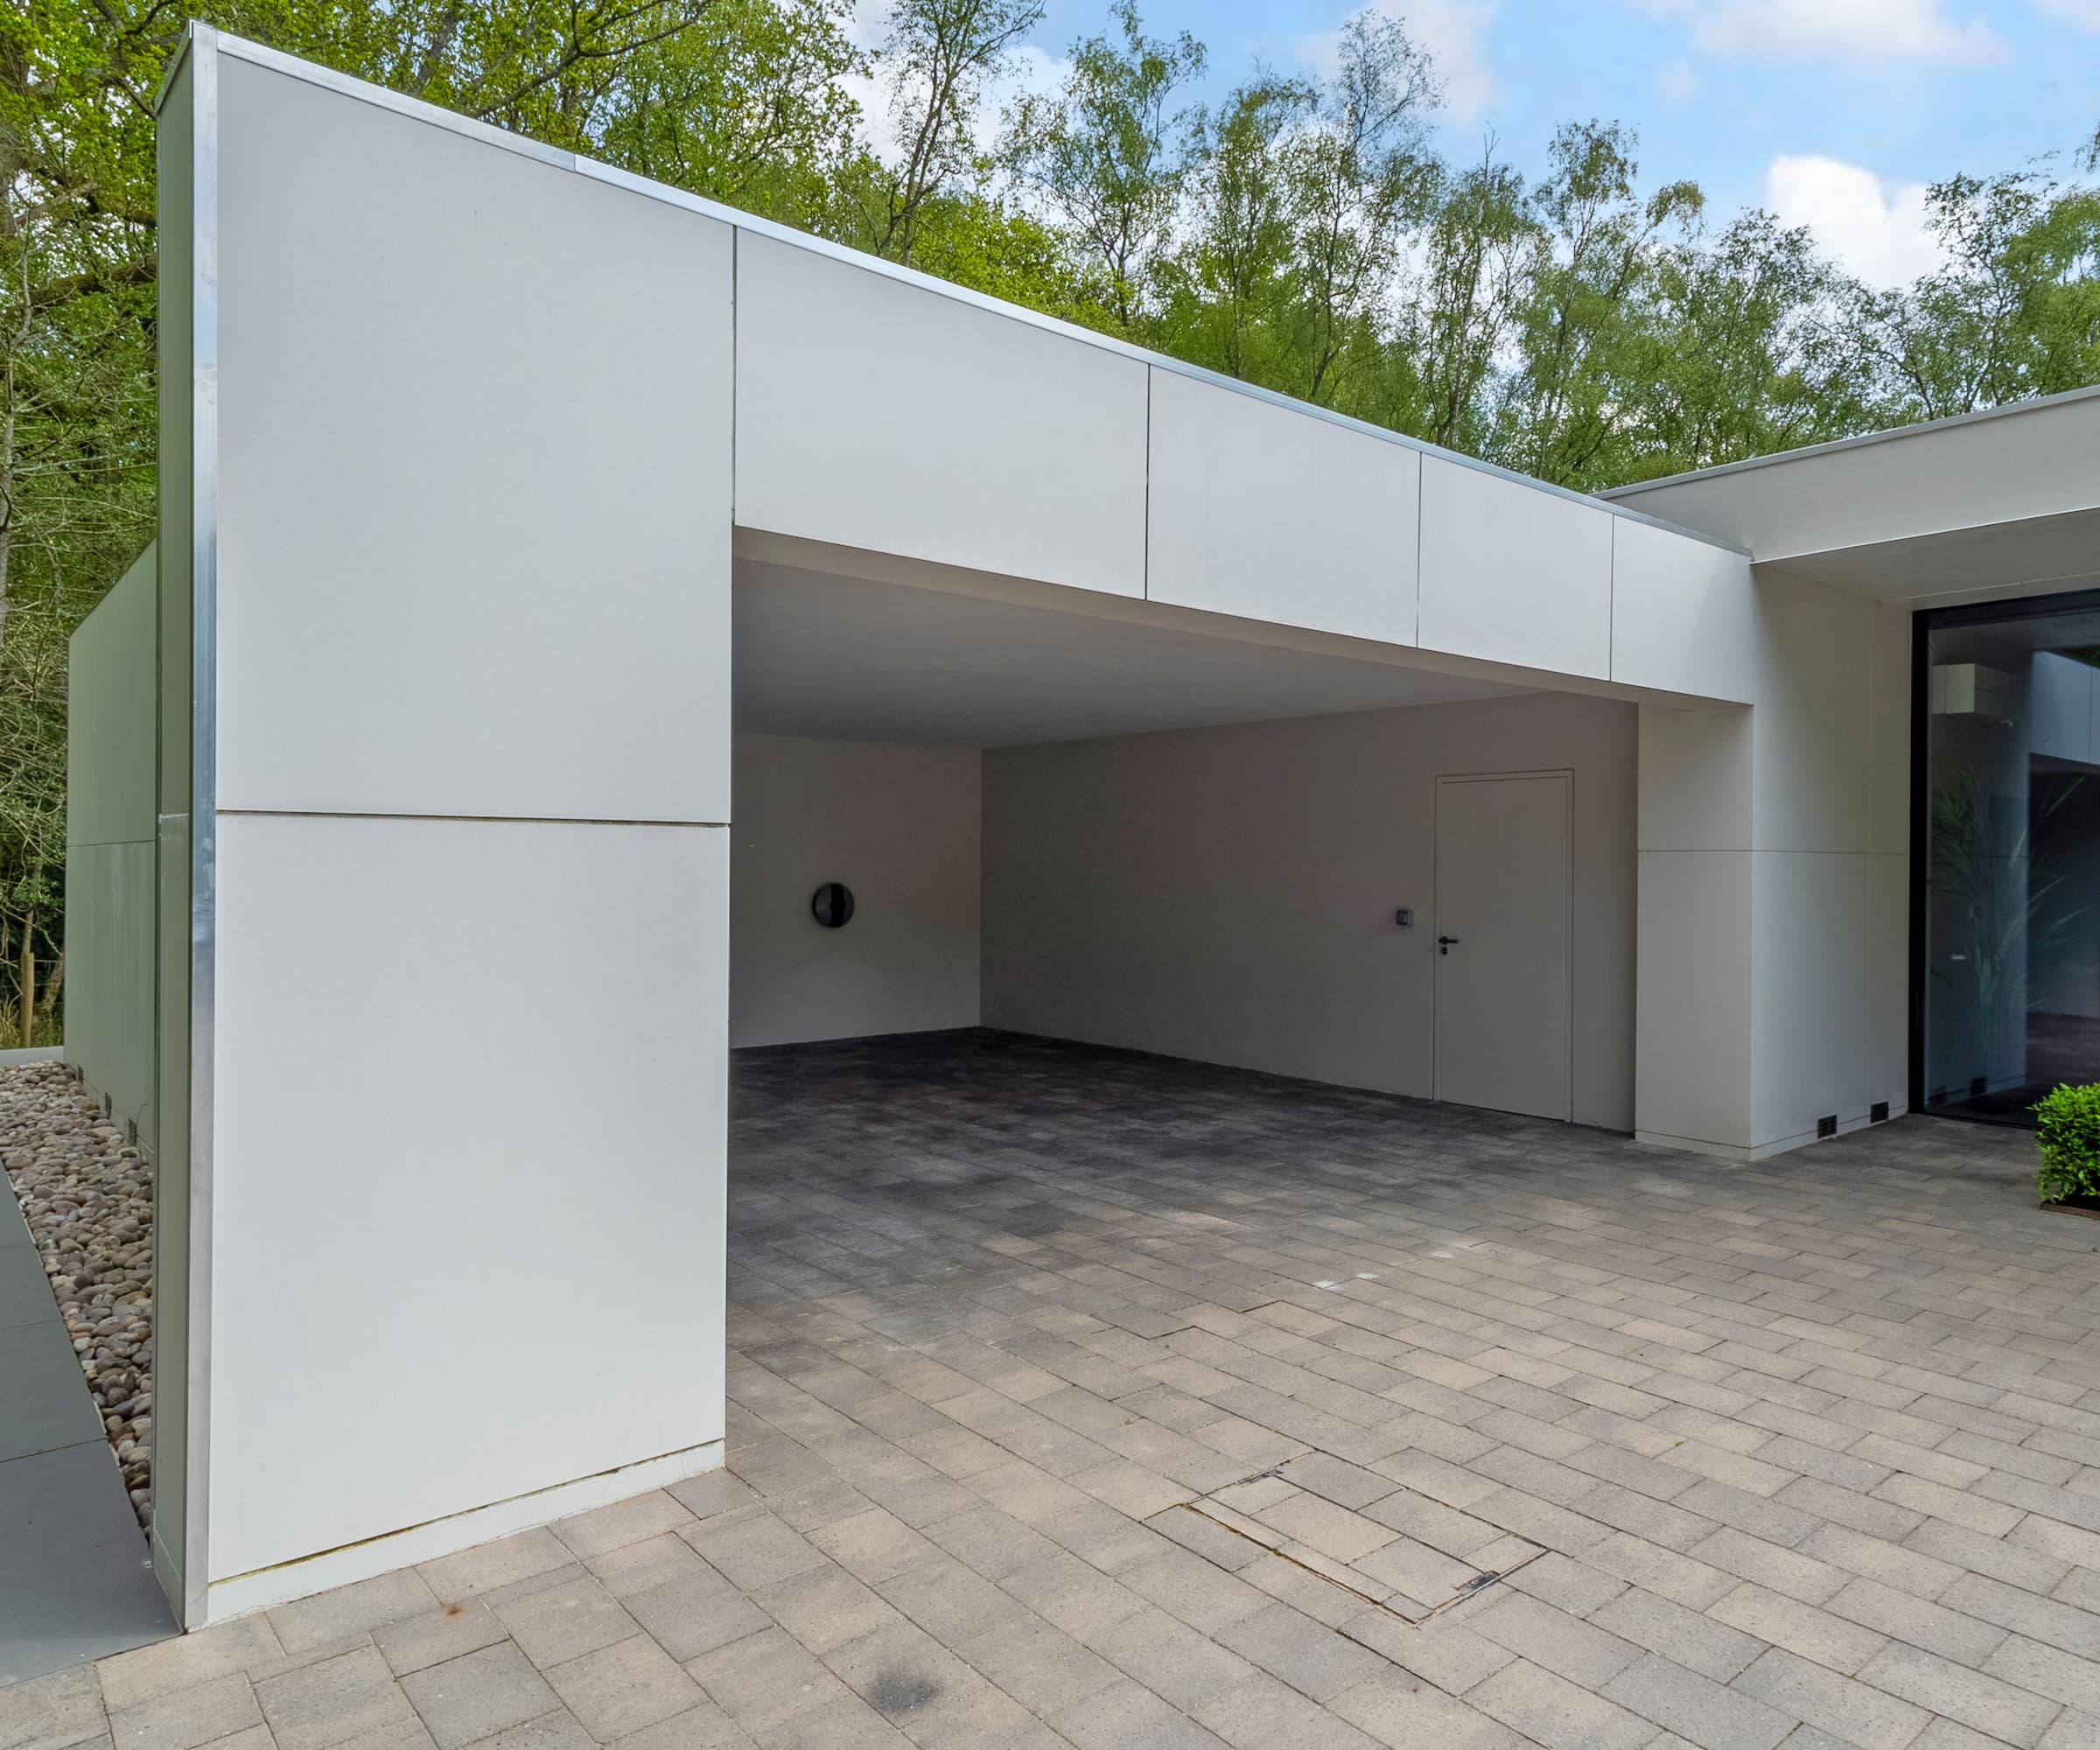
[[1445, 943]]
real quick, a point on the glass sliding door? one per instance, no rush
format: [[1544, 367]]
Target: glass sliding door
[[2006, 871]]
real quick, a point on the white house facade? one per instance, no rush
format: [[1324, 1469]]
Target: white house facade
[[561, 578]]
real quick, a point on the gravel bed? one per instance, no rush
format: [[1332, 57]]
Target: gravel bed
[[88, 1197]]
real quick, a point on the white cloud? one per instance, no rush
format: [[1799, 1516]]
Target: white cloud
[[1678, 83], [1862, 31], [1454, 32], [1876, 229], [2085, 14]]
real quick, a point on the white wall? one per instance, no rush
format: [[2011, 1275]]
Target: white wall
[[874, 412], [1255, 510], [900, 826], [111, 835], [470, 1017], [1228, 894], [469, 1202], [1774, 863]]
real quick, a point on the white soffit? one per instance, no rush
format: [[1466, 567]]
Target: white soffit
[[2004, 503], [819, 654]]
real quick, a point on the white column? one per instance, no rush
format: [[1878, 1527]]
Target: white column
[[1774, 863], [463, 1270]]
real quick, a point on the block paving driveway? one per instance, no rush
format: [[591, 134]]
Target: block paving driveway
[[1078, 1397]]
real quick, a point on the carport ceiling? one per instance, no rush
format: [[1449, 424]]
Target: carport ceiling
[[823, 655]]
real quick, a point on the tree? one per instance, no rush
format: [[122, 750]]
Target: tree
[[937, 56], [2014, 311], [1479, 227], [1742, 353], [1595, 244], [1226, 300], [1107, 155], [1357, 179], [748, 106]]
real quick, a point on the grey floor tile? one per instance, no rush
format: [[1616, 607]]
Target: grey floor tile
[[79, 1581], [25, 1296], [44, 1402]]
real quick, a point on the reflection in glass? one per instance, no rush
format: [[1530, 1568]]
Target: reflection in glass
[[2011, 900]]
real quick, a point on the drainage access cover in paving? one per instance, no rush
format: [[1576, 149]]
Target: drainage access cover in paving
[[1402, 1552]]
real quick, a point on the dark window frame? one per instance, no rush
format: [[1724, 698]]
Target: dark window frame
[[1923, 623]]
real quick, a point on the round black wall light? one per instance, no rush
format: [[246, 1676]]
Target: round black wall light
[[832, 905]]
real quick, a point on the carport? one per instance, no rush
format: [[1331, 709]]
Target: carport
[[1178, 833], [1136, 707]]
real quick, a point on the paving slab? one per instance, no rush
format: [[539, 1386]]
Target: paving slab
[[1759, 1456], [76, 1580]]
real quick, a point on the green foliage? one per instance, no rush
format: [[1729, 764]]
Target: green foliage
[[2066, 1129], [1108, 156], [1580, 324]]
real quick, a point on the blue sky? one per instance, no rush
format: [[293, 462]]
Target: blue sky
[[1835, 112]]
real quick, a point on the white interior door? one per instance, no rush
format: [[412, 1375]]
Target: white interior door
[[1503, 985]]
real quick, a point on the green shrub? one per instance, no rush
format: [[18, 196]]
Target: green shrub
[[2068, 1127]]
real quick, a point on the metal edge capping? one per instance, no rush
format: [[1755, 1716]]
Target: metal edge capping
[[199, 53]]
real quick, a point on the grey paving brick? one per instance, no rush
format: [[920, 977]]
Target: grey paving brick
[[1263, 1712], [247, 1644], [1551, 1710], [1039, 1666], [2037, 1618], [2047, 1671], [1308, 1655], [1697, 1709], [477, 1695], [1657, 1625], [1807, 1630], [1971, 1699], [1849, 1712], [998, 1305], [564, 1622], [51, 1712], [413, 1643], [1901, 1616], [1397, 1710], [182, 1719], [350, 1611], [624, 1687], [320, 1705], [1568, 1646]]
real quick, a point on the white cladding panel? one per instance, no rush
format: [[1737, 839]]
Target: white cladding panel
[[1693, 1012], [1813, 722], [110, 738], [1889, 732], [474, 451], [1513, 573], [111, 829], [1812, 996], [874, 413], [465, 1158], [900, 826], [1274, 514], [1684, 613], [1694, 779]]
